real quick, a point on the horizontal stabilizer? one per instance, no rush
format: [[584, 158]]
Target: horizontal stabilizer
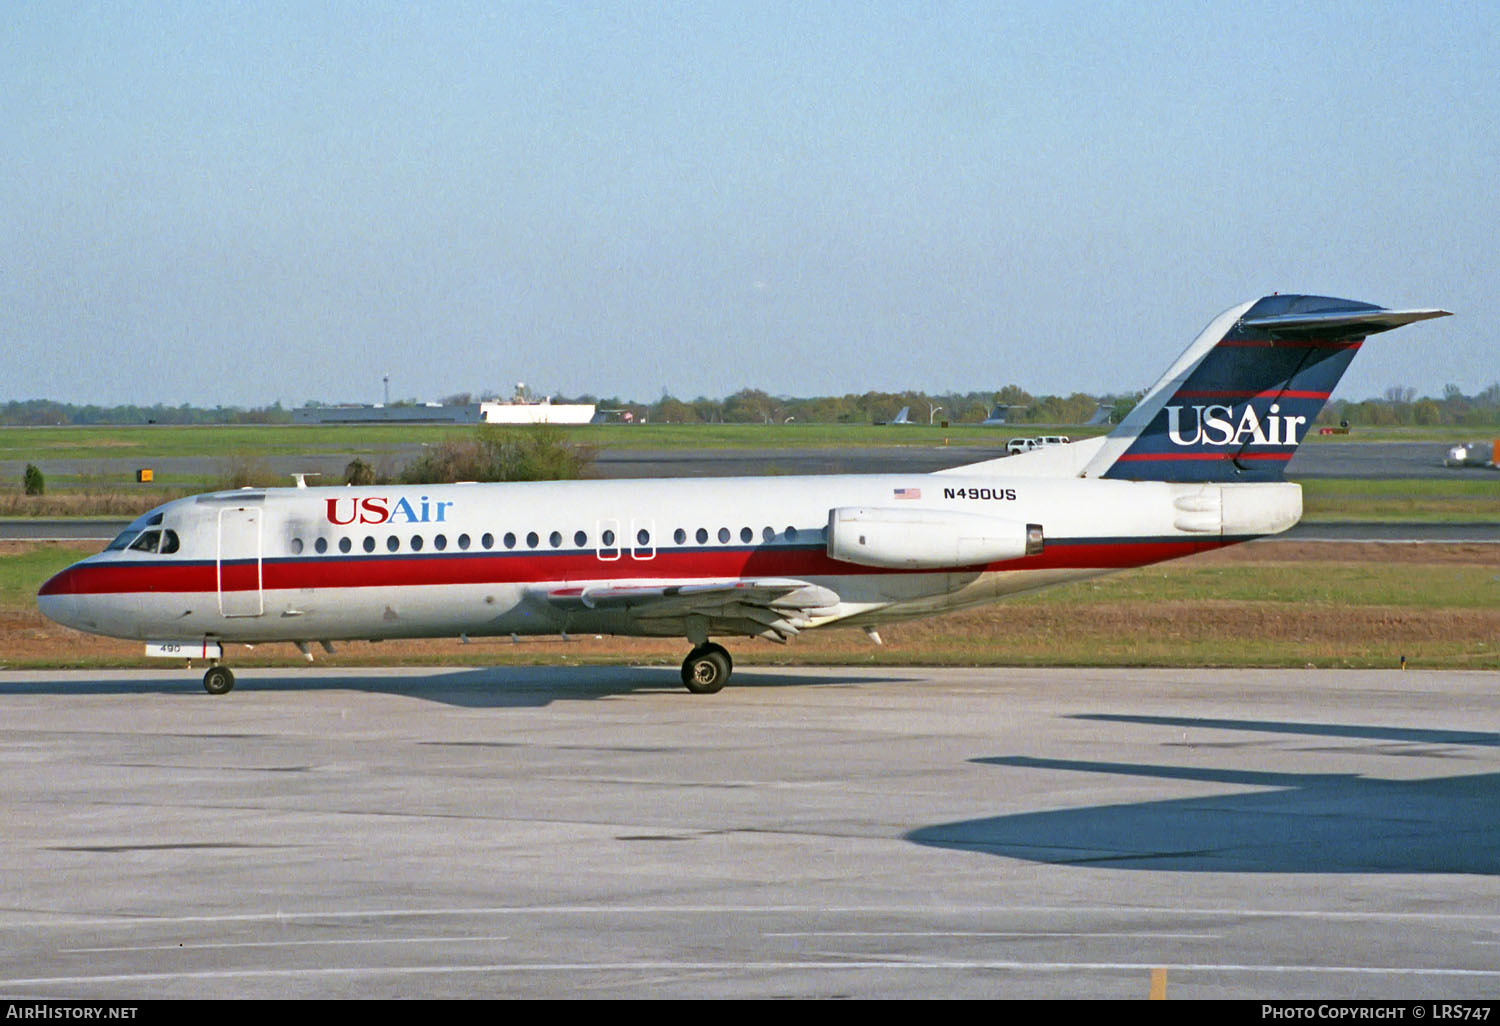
[[1337, 324]]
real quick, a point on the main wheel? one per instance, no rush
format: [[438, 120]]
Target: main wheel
[[706, 669], [218, 680]]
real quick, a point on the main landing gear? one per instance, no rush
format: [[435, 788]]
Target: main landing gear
[[218, 680], [707, 669]]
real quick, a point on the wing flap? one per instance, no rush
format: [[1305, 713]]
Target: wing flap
[[774, 608]]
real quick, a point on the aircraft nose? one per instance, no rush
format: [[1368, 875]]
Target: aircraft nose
[[56, 600]]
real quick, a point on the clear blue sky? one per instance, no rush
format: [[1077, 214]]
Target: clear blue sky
[[241, 202]]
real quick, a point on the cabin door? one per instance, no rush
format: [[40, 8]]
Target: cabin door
[[238, 563]]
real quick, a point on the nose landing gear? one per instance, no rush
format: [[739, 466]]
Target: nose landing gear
[[218, 680], [706, 669]]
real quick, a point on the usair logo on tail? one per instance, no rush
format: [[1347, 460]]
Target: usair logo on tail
[[1215, 425]]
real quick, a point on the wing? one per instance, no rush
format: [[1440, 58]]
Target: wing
[[771, 608]]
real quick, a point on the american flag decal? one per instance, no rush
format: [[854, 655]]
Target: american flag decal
[[908, 493]]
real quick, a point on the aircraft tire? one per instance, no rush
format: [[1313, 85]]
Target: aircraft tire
[[706, 670], [218, 680]]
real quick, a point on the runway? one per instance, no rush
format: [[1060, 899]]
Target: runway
[[560, 832]]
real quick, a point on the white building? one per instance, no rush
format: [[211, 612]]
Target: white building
[[490, 411]]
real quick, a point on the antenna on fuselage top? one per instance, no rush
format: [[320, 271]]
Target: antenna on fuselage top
[[301, 478]]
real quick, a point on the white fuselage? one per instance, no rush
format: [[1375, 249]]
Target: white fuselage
[[322, 564]]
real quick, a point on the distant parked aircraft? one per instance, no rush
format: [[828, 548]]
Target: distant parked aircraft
[[1101, 415], [1000, 414]]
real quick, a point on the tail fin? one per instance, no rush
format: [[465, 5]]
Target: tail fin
[[1237, 403], [1100, 417]]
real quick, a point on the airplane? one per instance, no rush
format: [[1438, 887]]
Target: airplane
[[903, 416], [999, 416], [1101, 415], [1196, 465]]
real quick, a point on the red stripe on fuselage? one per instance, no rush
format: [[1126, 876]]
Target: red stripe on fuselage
[[142, 577]]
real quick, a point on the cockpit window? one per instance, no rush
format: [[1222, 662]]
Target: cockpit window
[[147, 542], [133, 533], [122, 540], [165, 542]]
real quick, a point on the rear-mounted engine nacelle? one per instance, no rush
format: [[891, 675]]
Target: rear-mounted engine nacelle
[[921, 539]]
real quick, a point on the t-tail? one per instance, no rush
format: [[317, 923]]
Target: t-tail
[[1237, 403]]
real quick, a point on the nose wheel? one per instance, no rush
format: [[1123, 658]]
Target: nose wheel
[[218, 680], [706, 669]]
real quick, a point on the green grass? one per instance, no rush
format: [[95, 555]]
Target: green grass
[[146, 442], [150, 442], [155, 441], [1333, 585], [21, 574], [1442, 433], [1422, 499]]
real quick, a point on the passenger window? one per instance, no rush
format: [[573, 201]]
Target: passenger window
[[679, 536], [440, 542], [746, 534], [392, 543], [723, 534], [532, 540], [702, 536], [510, 540], [463, 542], [791, 534], [345, 545], [321, 545], [416, 543], [296, 546], [607, 549], [767, 534], [555, 538], [581, 539], [369, 543], [488, 541]]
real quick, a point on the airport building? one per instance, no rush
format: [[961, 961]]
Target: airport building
[[489, 411]]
